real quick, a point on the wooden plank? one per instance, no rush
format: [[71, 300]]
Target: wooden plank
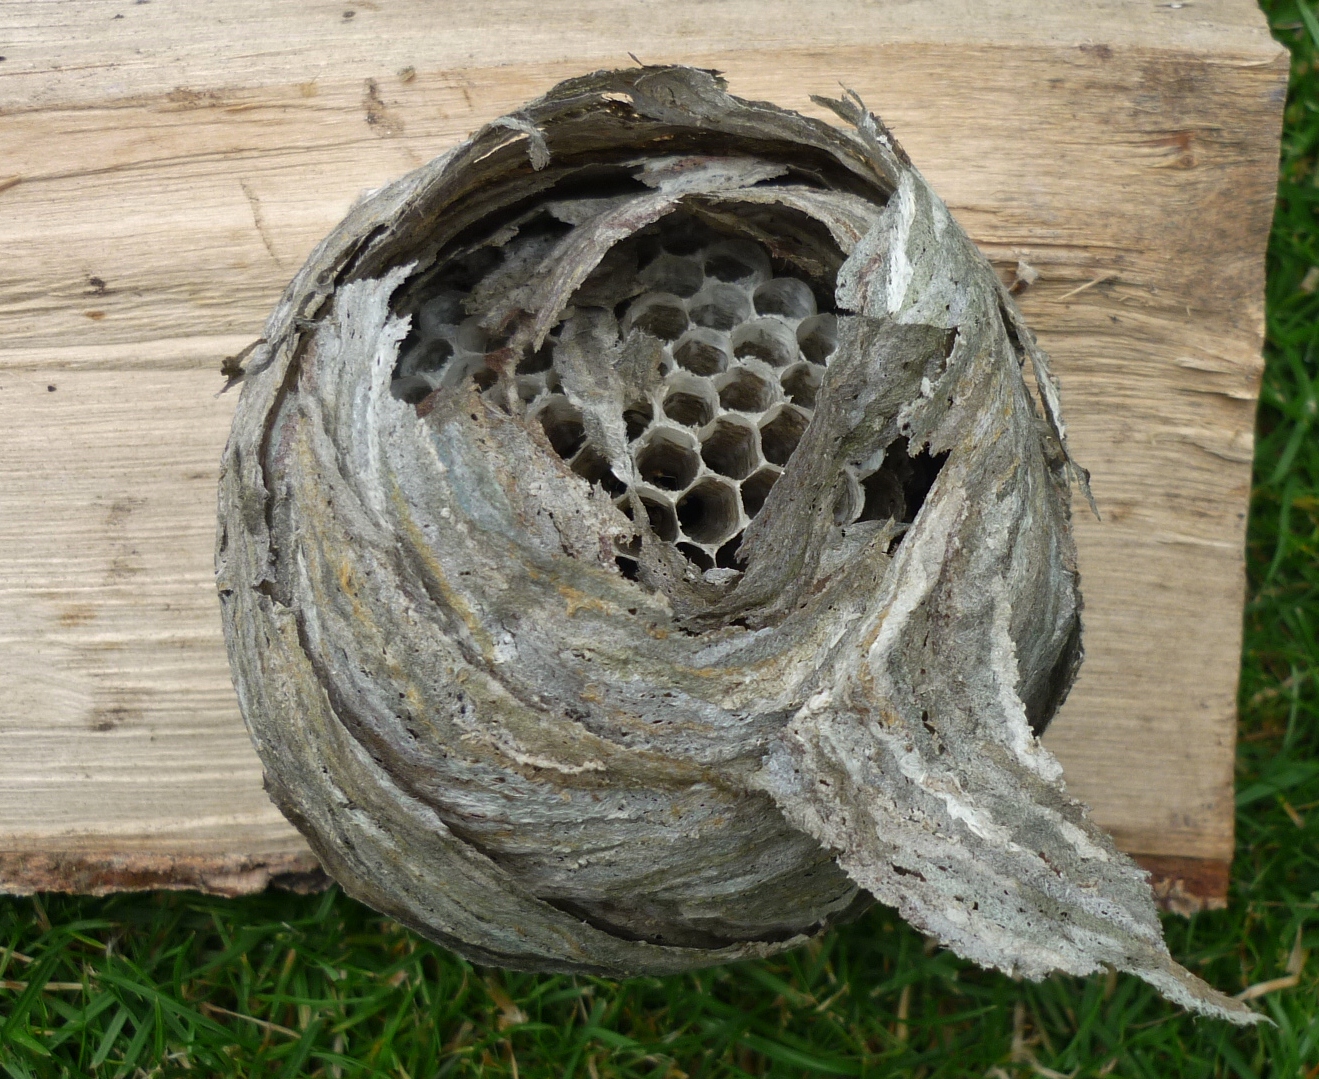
[[98, 50], [158, 200]]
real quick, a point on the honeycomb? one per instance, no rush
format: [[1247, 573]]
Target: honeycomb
[[744, 349]]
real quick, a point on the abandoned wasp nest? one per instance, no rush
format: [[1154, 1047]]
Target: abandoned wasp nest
[[640, 549]]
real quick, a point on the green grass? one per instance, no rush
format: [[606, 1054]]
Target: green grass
[[279, 985]]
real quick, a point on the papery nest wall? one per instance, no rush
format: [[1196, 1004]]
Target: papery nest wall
[[645, 541]]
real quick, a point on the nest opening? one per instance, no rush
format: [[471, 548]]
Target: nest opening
[[744, 341], [897, 489]]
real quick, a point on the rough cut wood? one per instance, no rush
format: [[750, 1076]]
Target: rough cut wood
[[164, 173]]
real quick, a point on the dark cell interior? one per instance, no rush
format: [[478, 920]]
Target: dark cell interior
[[780, 436]]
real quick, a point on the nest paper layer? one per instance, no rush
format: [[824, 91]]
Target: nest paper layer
[[644, 539]]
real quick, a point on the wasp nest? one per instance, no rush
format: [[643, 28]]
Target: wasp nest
[[736, 356], [640, 548]]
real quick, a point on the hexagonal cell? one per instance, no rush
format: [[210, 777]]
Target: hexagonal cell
[[663, 521], [785, 296], [660, 314], [637, 416], [467, 270], [702, 351], [593, 466], [540, 360], [818, 337], [708, 512], [755, 489], [673, 274], [471, 336], [668, 459], [690, 401], [695, 555], [780, 434], [411, 389], [744, 391], [719, 306], [529, 387], [767, 339], [681, 234], [426, 358], [438, 314], [563, 426], [801, 383], [741, 261], [730, 448]]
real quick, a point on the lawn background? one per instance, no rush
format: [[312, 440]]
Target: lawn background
[[279, 985]]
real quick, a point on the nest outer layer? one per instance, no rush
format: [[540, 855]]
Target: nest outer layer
[[488, 729]]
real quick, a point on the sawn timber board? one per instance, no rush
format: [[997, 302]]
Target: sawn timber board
[[166, 167]]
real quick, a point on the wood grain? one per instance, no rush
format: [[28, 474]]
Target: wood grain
[[155, 203]]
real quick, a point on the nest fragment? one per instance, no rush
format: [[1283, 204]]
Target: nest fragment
[[640, 549]]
